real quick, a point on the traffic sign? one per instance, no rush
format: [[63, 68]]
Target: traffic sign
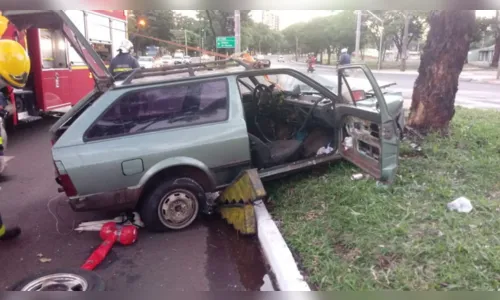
[[225, 42]]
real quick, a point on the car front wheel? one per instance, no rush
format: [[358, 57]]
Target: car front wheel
[[173, 205]]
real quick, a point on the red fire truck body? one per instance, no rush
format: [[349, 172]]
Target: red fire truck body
[[59, 78]]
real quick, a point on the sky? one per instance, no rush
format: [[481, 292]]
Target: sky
[[287, 17]]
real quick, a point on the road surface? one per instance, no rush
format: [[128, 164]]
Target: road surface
[[208, 256], [470, 94]]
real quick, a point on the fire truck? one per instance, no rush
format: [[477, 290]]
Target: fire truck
[[59, 77]]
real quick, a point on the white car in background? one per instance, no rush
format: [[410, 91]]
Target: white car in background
[[178, 58], [259, 57], [205, 58], [146, 62], [167, 60], [281, 59], [187, 59]]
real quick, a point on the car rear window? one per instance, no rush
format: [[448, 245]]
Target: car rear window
[[163, 108]]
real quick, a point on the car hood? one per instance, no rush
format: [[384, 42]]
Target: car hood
[[57, 19]]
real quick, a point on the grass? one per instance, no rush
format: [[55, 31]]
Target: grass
[[355, 235]]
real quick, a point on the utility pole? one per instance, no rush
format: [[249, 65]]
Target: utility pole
[[404, 47], [296, 48], [380, 52], [237, 33], [185, 41], [358, 34]]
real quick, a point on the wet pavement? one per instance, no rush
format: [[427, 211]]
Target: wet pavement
[[207, 256]]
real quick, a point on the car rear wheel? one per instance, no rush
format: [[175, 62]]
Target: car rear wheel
[[173, 205]]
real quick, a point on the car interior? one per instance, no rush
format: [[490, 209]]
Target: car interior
[[284, 123]]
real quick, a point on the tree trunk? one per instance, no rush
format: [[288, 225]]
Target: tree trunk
[[496, 54], [444, 54]]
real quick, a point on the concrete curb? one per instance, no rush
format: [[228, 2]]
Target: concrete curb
[[277, 253]]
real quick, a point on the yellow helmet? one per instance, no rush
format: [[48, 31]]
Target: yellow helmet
[[14, 63], [4, 22]]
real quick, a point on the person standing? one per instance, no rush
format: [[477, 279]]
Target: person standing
[[124, 61], [14, 71], [345, 58]]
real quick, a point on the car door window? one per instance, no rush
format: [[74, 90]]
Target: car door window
[[163, 108]]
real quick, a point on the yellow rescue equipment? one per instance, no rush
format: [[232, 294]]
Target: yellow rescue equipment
[[4, 23], [236, 201]]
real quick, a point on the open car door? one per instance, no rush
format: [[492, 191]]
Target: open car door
[[368, 137], [58, 20]]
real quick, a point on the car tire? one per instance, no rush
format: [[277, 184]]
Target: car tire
[[184, 195], [87, 281]]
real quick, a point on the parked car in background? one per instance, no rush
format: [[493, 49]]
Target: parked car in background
[[167, 60], [259, 57], [269, 54], [205, 58], [281, 59], [187, 59], [146, 62], [179, 58]]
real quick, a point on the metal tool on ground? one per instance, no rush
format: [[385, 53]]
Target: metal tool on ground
[[236, 202], [110, 233]]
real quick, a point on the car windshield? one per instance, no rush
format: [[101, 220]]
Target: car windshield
[[167, 57], [178, 55]]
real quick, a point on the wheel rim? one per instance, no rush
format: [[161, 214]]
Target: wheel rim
[[178, 209], [57, 282]]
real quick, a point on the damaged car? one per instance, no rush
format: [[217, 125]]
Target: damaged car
[[163, 138]]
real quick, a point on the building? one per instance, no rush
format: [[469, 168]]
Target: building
[[481, 55], [271, 20]]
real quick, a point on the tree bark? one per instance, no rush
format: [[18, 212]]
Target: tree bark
[[444, 54], [496, 54]]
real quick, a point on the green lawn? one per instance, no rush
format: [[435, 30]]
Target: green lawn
[[354, 235]]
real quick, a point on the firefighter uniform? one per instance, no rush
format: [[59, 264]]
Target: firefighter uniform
[[14, 70], [124, 61]]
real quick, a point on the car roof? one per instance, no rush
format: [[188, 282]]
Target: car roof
[[179, 74]]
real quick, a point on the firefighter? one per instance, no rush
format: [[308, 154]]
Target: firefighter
[[14, 71], [124, 61], [345, 58]]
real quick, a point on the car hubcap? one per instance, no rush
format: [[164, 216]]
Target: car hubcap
[[57, 282], [178, 209]]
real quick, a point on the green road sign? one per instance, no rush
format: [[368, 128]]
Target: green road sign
[[226, 42]]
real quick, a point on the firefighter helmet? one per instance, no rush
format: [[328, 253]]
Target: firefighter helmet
[[4, 22], [14, 64], [126, 46]]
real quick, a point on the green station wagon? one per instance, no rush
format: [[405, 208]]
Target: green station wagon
[[158, 140]]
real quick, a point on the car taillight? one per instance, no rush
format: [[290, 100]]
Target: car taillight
[[358, 95], [64, 180]]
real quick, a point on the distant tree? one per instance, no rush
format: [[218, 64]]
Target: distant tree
[[157, 24]]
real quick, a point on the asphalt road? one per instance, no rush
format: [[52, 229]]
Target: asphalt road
[[208, 256], [470, 94]]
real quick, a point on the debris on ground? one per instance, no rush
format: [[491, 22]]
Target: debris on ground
[[416, 147], [39, 255], [324, 150], [358, 176], [124, 219], [45, 260], [461, 204]]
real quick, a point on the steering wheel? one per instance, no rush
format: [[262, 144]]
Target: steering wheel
[[260, 91]]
